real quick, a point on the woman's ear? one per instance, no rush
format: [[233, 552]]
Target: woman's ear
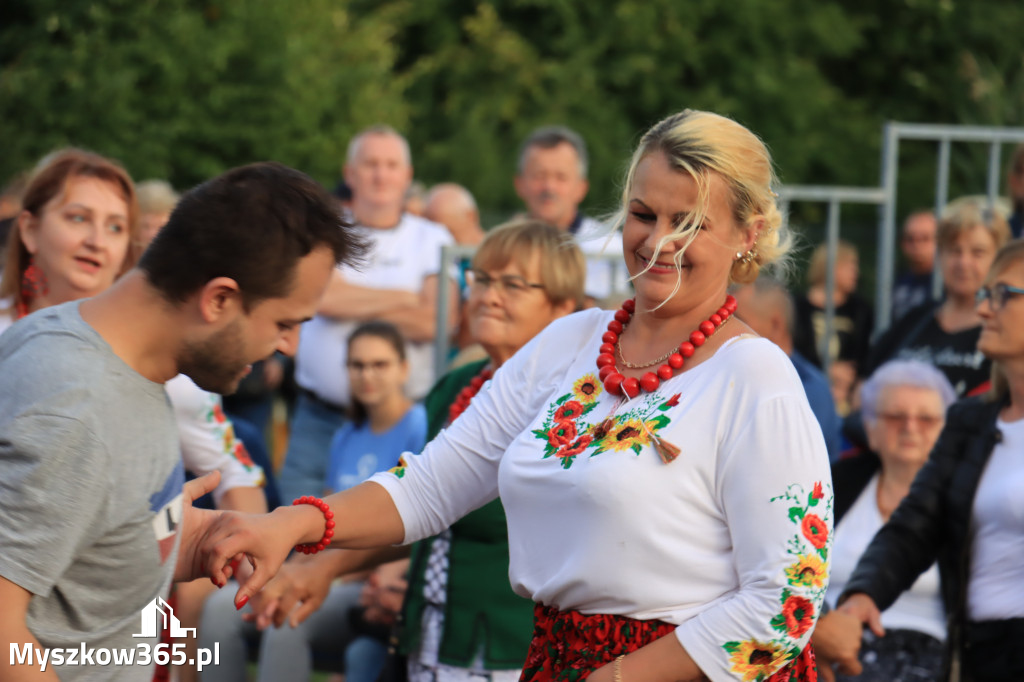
[[750, 232], [566, 307], [27, 230]]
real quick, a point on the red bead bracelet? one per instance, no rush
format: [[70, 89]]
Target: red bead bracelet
[[314, 547]]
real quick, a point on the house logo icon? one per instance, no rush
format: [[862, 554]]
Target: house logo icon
[[158, 615]]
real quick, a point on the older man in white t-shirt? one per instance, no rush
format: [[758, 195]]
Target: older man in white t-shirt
[[551, 179], [397, 283]]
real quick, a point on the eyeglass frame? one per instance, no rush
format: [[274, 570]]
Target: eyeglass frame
[[997, 295], [502, 284], [898, 419]]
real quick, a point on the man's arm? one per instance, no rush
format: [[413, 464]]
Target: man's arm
[[14, 630], [419, 321], [346, 301], [248, 499], [414, 313]]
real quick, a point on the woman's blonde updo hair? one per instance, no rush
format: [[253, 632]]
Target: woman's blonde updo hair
[[699, 143]]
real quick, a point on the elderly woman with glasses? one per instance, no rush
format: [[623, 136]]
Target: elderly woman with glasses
[[964, 508], [904, 406]]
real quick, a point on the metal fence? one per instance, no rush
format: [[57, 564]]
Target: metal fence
[[944, 136], [834, 198], [883, 196]]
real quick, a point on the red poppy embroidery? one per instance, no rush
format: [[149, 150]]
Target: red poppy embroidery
[[799, 615], [242, 455], [569, 411], [562, 433], [575, 448], [673, 401], [815, 530], [817, 494]]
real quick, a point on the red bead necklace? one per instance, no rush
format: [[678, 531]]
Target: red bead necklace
[[617, 384], [464, 397]]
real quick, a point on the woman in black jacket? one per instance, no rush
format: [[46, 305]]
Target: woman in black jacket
[[964, 507]]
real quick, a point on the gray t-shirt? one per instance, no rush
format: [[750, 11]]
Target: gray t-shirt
[[90, 488]]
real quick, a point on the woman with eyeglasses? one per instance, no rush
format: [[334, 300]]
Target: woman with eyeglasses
[[945, 334], [964, 509], [904, 407]]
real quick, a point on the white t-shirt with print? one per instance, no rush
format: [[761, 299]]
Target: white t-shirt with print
[[400, 258]]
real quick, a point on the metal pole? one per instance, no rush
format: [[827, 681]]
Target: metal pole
[[883, 277], [832, 241], [941, 199], [448, 255], [992, 185]]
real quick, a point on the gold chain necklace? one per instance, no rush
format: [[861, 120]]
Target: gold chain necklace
[[663, 358]]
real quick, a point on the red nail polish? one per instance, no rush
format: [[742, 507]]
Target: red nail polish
[[242, 603], [234, 566]]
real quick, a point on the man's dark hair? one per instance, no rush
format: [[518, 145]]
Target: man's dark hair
[[550, 137], [251, 224]]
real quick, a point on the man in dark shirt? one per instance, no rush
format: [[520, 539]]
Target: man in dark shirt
[[914, 285]]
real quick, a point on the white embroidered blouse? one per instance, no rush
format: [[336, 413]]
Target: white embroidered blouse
[[730, 541]]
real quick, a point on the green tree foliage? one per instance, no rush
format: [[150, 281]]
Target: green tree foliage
[[185, 88]]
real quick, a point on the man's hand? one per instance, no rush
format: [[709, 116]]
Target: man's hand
[[384, 592], [863, 608], [300, 582], [194, 524], [836, 639]]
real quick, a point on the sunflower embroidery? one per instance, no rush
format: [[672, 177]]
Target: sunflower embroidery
[[625, 435], [567, 431], [808, 571], [587, 388], [753, 660], [756, 661], [399, 469]]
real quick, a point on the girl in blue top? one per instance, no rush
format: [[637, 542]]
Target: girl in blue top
[[384, 422]]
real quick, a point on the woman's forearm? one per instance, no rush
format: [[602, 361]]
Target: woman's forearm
[[663, 660]]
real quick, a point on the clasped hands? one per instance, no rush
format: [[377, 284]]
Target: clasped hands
[[837, 636], [214, 543]]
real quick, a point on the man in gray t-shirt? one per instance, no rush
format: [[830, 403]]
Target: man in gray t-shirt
[[92, 482], [94, 521]]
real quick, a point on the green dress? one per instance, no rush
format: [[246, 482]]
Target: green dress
[[480, 610]]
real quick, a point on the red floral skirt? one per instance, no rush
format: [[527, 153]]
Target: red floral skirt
[[568, 645]]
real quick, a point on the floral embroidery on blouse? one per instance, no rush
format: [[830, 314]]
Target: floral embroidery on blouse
[[230, 443], [587, 388], [756, 661], [399, 469], [567, 432]]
